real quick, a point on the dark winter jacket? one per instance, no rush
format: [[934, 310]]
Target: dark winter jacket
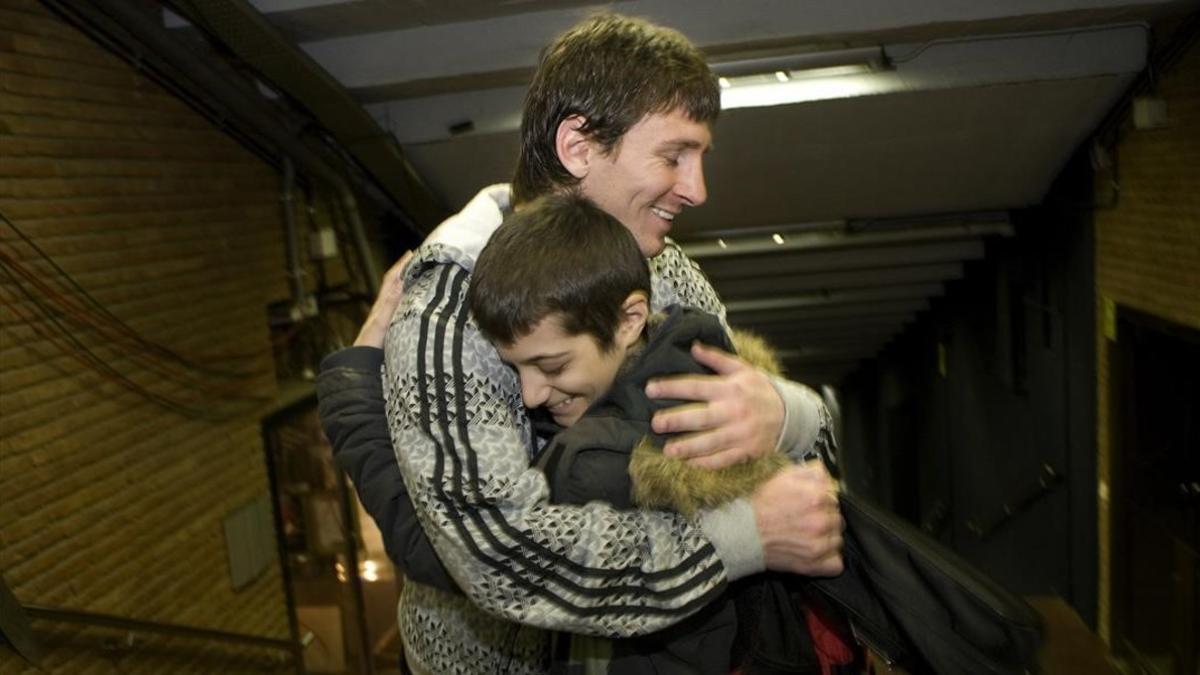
[[590, 460], [350, 401]]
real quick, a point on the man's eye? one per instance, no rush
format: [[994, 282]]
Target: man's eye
[[556, 370]]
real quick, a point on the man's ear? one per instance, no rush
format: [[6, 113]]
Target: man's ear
[[634, 313], [573, 146]]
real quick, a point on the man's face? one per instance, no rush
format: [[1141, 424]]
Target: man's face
[[654, 171], [563, 373]]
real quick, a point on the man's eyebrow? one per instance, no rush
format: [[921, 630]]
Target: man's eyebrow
[[685, 144]]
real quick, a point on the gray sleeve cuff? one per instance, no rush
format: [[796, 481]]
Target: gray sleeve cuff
[[734, 533], [801, 418]]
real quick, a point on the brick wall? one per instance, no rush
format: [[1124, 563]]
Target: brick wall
[[1148, 250], [111, 493]]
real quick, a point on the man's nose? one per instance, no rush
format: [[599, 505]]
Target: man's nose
[[690, 186], [534, 391]]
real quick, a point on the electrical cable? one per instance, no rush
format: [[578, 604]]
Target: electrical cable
[[89, 359], [165, 369], [160, 360], [72, 310], [162, 350]]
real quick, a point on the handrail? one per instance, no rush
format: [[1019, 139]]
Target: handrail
[[1047, 480], [112, 621]]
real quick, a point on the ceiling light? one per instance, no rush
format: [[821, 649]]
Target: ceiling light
[[866, 58], [793, 78], [801, 90], [834, 234]]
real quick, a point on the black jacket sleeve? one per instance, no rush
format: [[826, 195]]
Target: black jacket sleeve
[[350, 402]]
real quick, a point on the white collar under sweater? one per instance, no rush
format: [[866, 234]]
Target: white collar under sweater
[[470, 229]]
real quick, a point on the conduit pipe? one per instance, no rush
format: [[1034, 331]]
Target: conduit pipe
[[291, 239]]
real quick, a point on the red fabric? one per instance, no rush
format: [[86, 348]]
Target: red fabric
[[832, 649]]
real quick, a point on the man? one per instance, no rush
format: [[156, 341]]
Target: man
[[619, 110]]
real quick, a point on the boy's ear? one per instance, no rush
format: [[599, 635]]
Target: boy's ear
[[573, 146], [635, 311]]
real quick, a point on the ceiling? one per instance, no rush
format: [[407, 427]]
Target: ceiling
[[839, 217]]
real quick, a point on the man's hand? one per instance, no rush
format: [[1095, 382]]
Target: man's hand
[[799, 521], [391, 291], [738, 414]]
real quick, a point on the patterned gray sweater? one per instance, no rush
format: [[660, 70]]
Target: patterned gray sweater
[[464, 446]]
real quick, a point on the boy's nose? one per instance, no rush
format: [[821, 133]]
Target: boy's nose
[[534, 392]]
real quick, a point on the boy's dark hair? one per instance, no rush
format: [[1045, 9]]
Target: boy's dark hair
[[560, 254], [613, 70]]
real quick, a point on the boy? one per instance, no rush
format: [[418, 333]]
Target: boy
[[563, 292]]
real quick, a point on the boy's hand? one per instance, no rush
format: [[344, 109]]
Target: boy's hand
[[738, 414], [799, 521], [391, 291]]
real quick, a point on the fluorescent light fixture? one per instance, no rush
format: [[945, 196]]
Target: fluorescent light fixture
[[793, 78], [799, 91], [828, 235], [867, 58]]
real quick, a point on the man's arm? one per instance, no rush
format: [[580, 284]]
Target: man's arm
[[740, 413]]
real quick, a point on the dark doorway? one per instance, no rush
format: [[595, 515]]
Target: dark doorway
[[341, 587], [1155, 385]]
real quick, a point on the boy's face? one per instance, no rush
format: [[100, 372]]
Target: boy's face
[[563, 373], [654, 171]]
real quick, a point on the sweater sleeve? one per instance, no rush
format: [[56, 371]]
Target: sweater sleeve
[[807, 426], [350, 402], [464, 448]]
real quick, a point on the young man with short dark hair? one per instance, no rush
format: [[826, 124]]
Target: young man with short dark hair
[[627, 112]]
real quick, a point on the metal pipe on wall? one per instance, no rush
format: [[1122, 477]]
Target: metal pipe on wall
[[370, 269], [292, 244]]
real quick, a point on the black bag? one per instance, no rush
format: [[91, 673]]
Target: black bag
[[916, 603]]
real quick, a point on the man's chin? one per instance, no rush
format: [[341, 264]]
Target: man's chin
[[653, 248]]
